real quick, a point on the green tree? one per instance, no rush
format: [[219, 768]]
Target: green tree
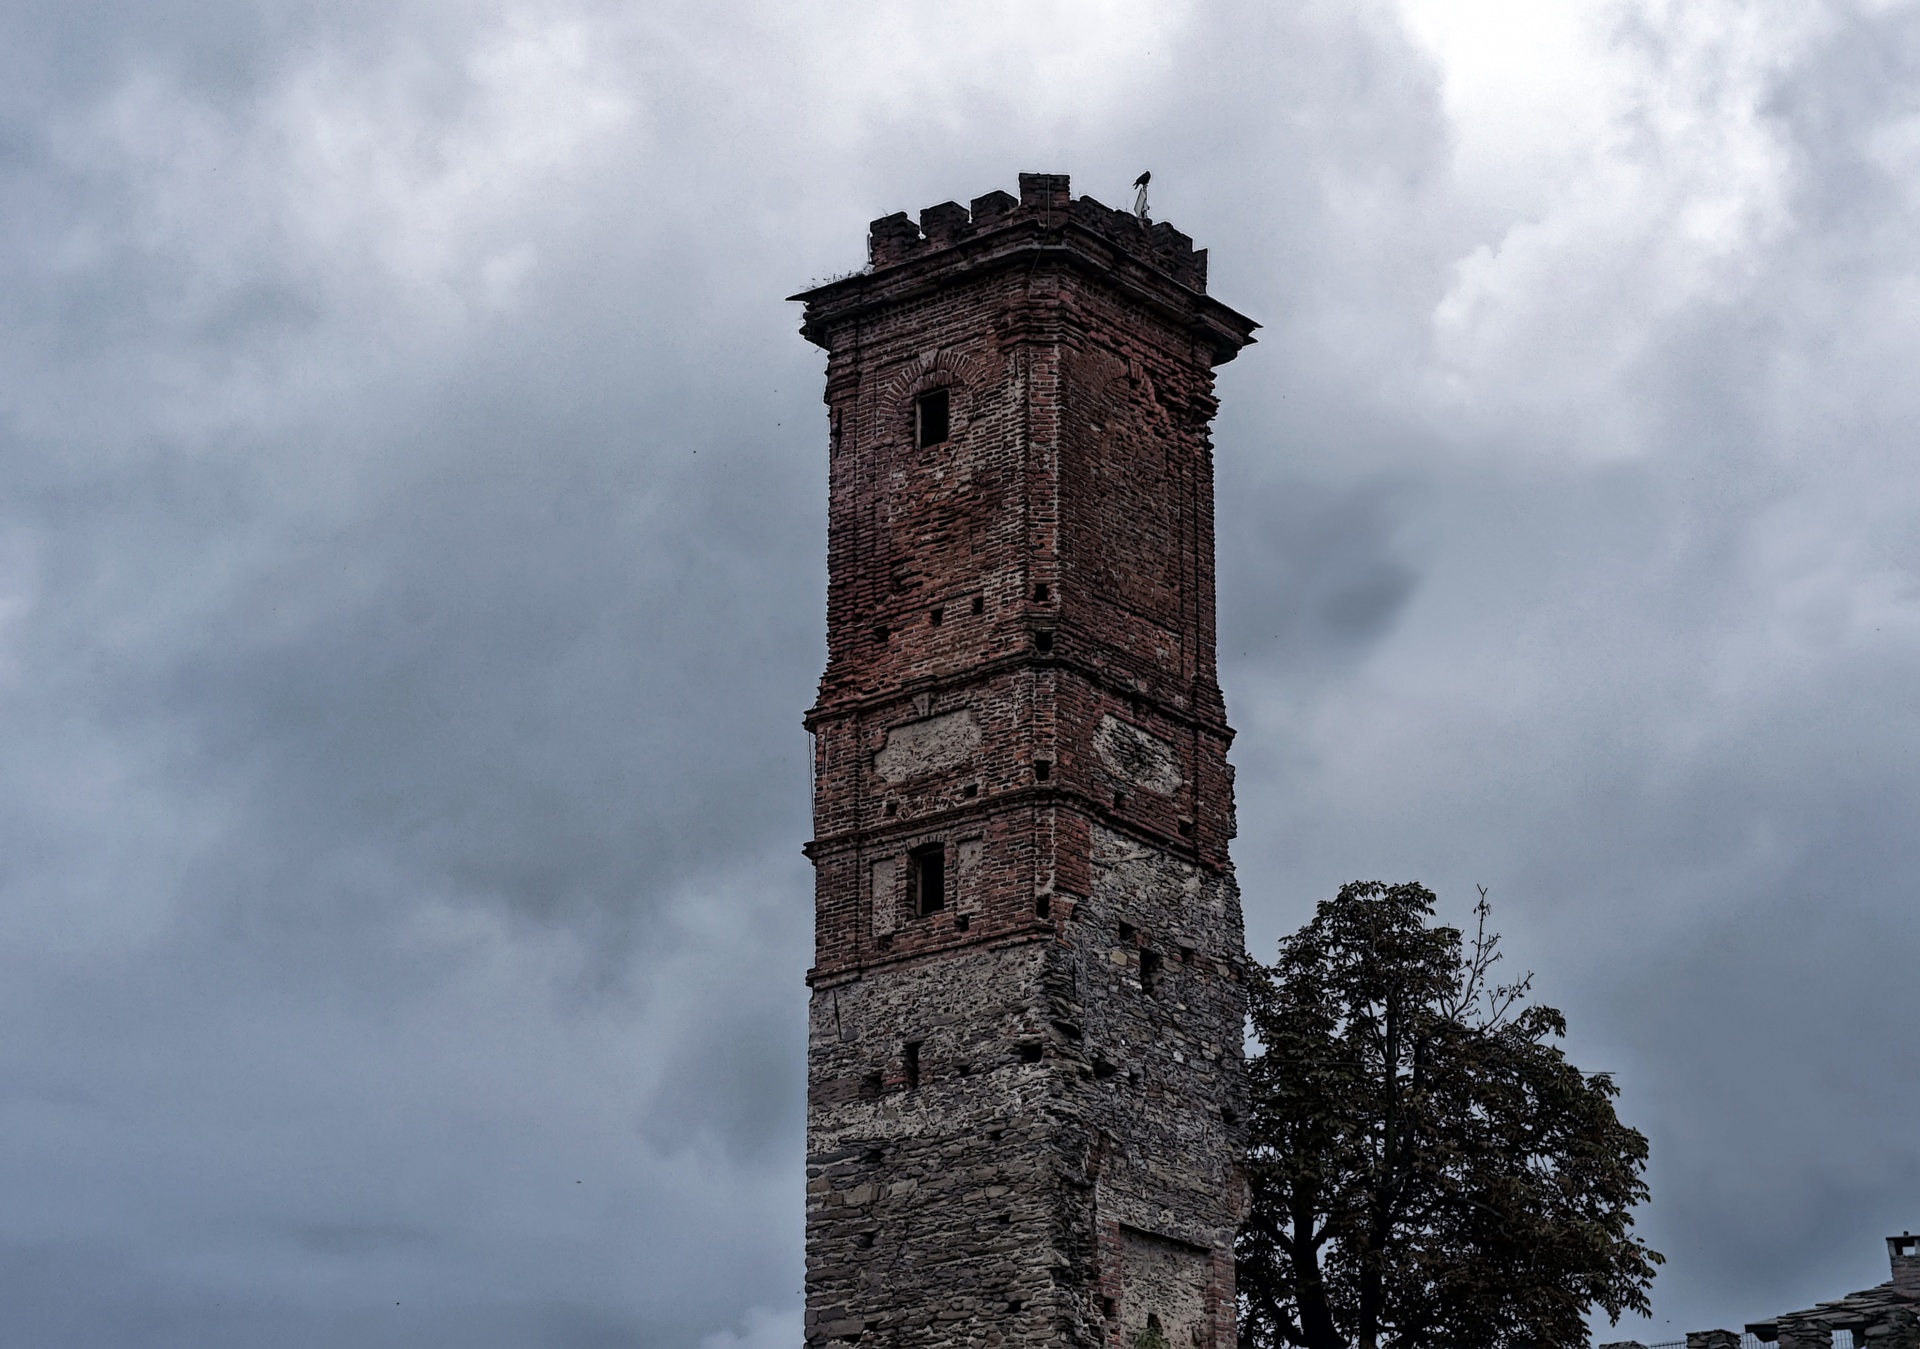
[[1427, 1169]]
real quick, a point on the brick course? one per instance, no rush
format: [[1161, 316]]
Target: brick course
[[1023, 1107]]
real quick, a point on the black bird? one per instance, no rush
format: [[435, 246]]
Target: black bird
[[1140, 194]]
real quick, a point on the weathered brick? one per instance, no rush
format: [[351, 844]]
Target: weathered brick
[[1021, 684]]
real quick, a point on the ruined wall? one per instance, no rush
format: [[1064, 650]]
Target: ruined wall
[[1024, 1095], [1157, 950]]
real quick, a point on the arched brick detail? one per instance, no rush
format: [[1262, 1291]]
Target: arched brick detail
[[960, 373]]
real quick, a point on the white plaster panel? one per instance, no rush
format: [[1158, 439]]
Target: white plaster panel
[[1135, 756], [922, 747], [1166, 1281], [883, 901]]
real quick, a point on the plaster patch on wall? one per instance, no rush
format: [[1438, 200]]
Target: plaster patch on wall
[[1137, 757], [922, 747], [1144, 879], [883, 902], [967, 873], [1166, 1280]]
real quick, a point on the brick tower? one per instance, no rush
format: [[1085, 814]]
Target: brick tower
[[1024, 1074]]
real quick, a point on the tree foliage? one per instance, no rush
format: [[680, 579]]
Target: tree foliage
[[1427, 1169]]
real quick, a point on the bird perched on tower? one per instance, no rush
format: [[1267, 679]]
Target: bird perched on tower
[[1140, 194]]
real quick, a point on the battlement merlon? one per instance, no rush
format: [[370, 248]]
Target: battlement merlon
[[1155, 263]]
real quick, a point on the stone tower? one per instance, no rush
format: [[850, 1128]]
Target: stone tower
[[1024, 1080]]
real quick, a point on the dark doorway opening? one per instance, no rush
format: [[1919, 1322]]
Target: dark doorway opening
[[927, 878], [930, 418]]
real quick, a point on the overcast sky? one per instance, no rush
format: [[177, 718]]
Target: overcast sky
[[412, 566]]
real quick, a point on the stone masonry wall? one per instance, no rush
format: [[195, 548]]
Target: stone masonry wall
[[1056, 1164]]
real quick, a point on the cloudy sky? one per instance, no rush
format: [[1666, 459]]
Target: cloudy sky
[[411, 577]]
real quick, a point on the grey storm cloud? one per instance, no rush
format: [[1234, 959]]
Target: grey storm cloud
[[412, 562]]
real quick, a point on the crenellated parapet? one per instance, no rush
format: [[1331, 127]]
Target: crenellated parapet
[[1046, 202]]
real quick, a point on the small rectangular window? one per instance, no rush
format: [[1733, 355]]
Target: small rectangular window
[[1149, 972], [910, 1060], [930, 418], [927, 878], [979, 604], [1041, 593]]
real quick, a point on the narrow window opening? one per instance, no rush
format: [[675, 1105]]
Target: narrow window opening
[[1228, 1115], [979, 604], [893, 809], [1107, 1307], [1119, 800], [1043, 642], [1149, 972], [910, 1062], [880, 633], [962, 921], [1041, 593], [1030, 1053], [1128, 931], [971, 790], [1042, 769], [927, 878], [1043, 906], [930, 418], [936, 617], [1186, 829], [1186, 955]]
